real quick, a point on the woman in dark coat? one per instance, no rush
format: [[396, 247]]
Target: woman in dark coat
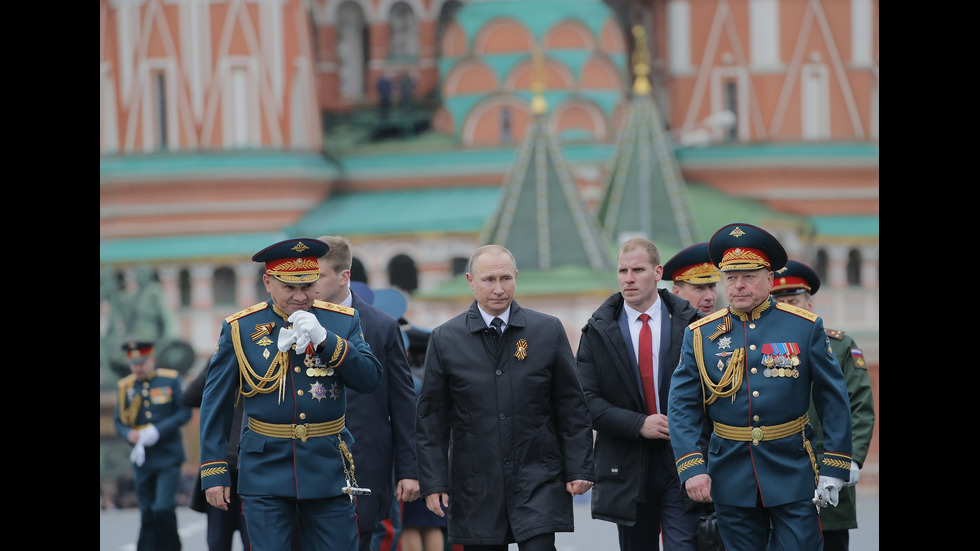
[[503, 431]]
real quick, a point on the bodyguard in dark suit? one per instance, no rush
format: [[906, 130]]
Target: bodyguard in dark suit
[[503, 432], [222, 524], [750, 369], [290, 362], [636, 484], [383, 421], [149, 415]]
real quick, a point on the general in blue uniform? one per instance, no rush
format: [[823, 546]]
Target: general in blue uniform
[[750, 369], [290, 361], [149, 416]]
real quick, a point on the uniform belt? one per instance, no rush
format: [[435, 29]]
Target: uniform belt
[[302, 432], [760, 434]]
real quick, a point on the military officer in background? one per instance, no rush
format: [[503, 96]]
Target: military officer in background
[[750, 368], [149, 416], [695, 277], [796, 284], [289, 360]]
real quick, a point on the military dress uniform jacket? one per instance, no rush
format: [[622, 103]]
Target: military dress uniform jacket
[[279, 391], [609, 375], [503, 434], [383, 421], [160, 404], [852, 363], [785, 351]]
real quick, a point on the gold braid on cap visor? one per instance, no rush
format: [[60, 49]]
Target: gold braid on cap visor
[[742, 259], [295, 270], [699, 274]]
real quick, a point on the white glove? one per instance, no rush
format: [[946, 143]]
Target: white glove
[[138, 455], [149, 435], [828, 489], [287, 337], [855, 474], [306, 322]]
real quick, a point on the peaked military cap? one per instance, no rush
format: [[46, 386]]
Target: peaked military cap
[[136, 350], [794, 279], [745, 247], [692, 265], [293, 261]]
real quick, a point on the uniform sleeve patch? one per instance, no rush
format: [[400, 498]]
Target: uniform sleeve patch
[[858, 357]]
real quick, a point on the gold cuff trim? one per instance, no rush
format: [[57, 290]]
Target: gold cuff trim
[[302, 432], [761, 434]]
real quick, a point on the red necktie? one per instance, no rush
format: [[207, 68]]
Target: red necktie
[[646, 365]]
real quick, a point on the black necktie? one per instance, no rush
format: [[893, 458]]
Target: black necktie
[[495, 324]]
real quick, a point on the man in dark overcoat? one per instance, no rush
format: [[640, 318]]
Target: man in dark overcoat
[[503, 433], [383, 421], [637, 486]]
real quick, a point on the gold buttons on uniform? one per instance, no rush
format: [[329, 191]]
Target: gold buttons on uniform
[[755, 370], [755, 393], [296, 369], [751, 326], [751, 347], [299, 392], [149, 414], [755, 418], [302, 416]]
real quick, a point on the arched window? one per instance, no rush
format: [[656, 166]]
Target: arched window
[[402, 273], [224, 286], [854, 268], [403, 33], [357, 271], [460, 265], [820, 266], [184, 287], [352, 48]]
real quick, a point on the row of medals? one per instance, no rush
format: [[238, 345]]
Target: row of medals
[[316, 368], [781, 366]]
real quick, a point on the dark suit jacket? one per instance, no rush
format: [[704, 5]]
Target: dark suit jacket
[[382, 422], [610, 378]]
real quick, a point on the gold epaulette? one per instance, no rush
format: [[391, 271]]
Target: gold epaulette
[[709, 318], [168, 373], [247, 311], [127, 382], [835, 333], [323, 305], [802, 312]]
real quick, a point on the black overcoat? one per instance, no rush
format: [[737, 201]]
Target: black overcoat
[[608, 376], [503, 435]]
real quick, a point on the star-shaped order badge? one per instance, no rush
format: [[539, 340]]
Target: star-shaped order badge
[[317, 391], [724, 343]]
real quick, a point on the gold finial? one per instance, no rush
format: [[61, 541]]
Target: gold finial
[[538, 103], [641, 62]]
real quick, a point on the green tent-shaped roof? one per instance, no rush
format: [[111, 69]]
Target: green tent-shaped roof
[[646, 194], [541, 217]]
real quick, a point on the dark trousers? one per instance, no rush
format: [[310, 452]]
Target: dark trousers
[[667, 511], [542, 542], [327, 523], [794, 527], [223, 524], [836, 540], [156, 493]]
